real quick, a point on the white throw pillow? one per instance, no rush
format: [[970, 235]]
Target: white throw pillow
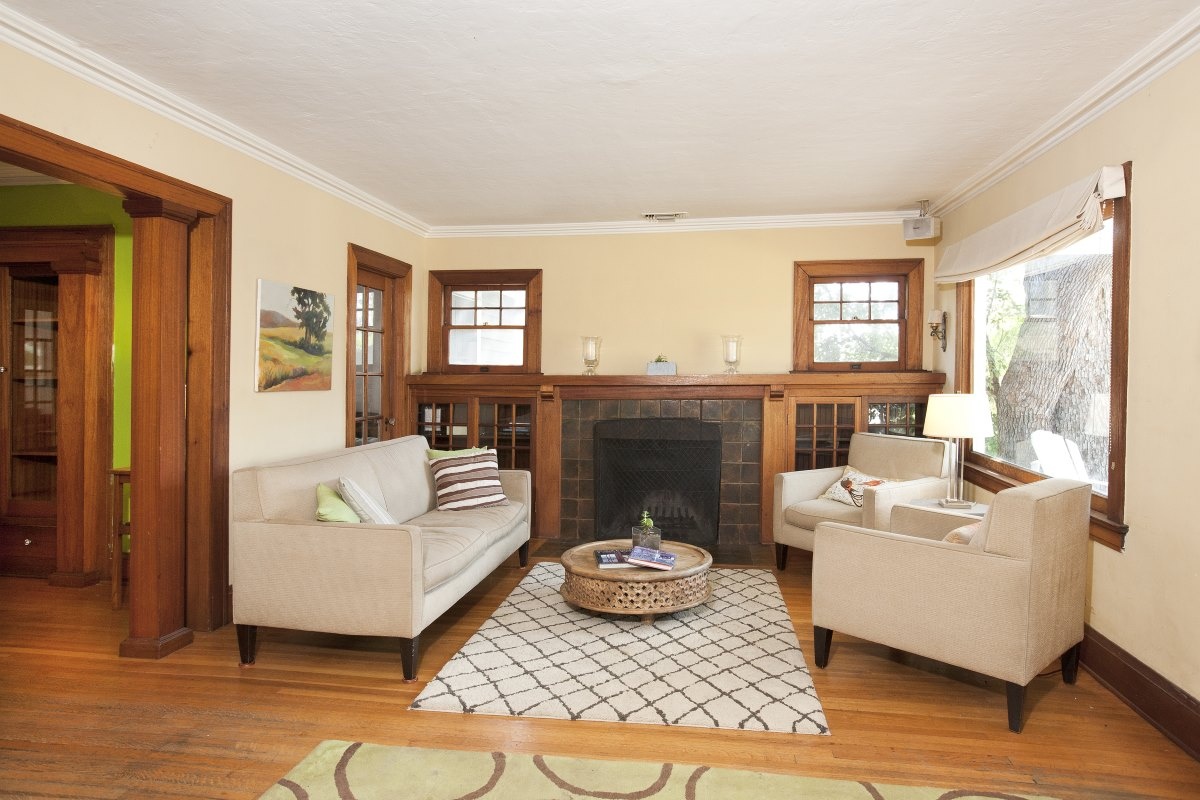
[[368, 508], [848, 489], [964, 534]]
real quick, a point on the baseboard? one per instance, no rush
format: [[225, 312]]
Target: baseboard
[[1160, 702], [74, 580], [156, 647]]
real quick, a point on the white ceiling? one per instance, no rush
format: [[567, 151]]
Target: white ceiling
[[498, 112]]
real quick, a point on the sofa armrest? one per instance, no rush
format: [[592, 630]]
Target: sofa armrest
[[517, 485], [349, 578], [928, 523], [878, 501]]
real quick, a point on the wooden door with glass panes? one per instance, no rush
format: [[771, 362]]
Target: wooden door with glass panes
[[28, 403], [375, 359]]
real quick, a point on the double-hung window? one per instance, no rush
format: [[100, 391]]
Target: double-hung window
[[485, 321]]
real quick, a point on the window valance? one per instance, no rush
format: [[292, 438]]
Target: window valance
[[1052, 222]]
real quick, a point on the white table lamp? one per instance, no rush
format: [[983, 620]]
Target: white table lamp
[[957, 417]]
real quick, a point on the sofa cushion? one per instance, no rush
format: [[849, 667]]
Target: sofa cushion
[[494, 521], [848, 489], [449, 551], [332, 508], [367, 507], [809, 513], [467, 481]]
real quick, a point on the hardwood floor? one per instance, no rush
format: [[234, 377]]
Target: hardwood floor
[[76, 721]]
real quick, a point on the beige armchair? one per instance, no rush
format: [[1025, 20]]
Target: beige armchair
[[1004, 605], [915, 468]]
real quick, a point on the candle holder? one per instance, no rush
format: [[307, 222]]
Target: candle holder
[[731, 352], [591, 354]]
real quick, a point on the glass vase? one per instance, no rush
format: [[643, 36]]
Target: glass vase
[[647, 537]]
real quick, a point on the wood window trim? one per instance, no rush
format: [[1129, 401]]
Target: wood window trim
[[910, 270], [440, 281], [1108, 513], [360, 258]]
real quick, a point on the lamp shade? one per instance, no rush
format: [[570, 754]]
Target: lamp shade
[[958, 416]]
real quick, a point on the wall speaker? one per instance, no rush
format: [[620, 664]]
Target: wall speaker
[[916, 228]]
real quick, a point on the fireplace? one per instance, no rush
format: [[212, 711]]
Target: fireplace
[[670, 467]]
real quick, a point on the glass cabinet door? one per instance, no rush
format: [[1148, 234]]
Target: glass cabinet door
[[31, 446]]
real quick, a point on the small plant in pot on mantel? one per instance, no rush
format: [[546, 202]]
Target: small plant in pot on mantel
[[645, 534]]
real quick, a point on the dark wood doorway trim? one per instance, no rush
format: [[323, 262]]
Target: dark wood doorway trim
[[164, 609], [399, 278]]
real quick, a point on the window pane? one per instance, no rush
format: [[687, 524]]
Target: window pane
[[374, 352], [827, 291], [374, 392], [489, 346], [374, 308], [1043, 354], [359, 364], [490, 299], [825, 311], [834, 343], [885, 291], [856, 291], [459, 317], [462, 299], [856, 311], [513, 316], [513, 298], [487, 316], [885, 311]]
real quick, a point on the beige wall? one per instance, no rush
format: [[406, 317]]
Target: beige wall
[[1144, 599], [283, 229], [669, 293]]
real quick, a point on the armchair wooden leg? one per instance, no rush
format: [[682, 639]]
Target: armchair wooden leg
[[1070, 664], [1016, 699], [523, 554], [247, 636], [822, 638], [408, 657], [781, 551]]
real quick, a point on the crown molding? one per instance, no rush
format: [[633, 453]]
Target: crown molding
[[1171, 47], [678, 226], [41, 42]]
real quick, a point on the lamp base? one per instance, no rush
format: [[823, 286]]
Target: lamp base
[[948, 503]]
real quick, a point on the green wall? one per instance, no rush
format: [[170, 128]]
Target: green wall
[[78, 205]]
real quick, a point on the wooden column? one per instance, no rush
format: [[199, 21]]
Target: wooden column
[[774, 455], [158, 461]]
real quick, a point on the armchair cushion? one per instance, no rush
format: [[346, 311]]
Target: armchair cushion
[[849, 488], [965, 534], [809, 513]]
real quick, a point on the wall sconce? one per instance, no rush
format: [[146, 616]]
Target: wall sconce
[[937, 325], [591, 354]]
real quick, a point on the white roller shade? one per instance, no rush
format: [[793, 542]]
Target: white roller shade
[[1052, 222]]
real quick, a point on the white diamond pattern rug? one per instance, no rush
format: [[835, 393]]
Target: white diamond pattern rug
[[733, 662]]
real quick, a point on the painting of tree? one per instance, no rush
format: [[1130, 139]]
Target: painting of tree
[[294, 339]]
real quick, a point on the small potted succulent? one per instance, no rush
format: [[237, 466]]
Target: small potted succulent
[[660, 366], [645, 534]]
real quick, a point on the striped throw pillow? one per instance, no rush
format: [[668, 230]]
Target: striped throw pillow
[[470, 480]]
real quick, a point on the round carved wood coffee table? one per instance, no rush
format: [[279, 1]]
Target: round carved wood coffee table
[[640, 591]]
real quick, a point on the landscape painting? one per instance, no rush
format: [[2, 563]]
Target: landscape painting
[[294, 339]]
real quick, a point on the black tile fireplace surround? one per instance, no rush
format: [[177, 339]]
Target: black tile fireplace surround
[[694, 464]]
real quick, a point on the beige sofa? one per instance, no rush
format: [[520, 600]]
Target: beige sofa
[[916, 469], [291, 571]]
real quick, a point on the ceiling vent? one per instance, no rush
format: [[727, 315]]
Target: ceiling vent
[[665, 216]]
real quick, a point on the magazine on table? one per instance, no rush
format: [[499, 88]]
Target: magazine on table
[[612, 559], [648, 557]]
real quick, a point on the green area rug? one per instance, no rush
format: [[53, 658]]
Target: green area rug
[[358, 771]]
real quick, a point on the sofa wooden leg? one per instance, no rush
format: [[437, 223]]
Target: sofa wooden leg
[[781, 551], [1016, 699], [822, 638], [247, 636], [1070, 664], [408, 657], [523, 554]]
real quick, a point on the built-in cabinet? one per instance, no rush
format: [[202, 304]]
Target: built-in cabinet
[[802, 421]]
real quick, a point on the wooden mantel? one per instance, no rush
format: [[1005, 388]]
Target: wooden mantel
[[777, 392]]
